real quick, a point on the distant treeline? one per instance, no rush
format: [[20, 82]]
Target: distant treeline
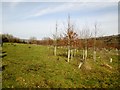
[[101, 42], [11, 38]]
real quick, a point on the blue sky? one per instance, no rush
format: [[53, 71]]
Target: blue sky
[[27, 19]]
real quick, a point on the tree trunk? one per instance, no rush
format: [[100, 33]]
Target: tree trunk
[[68, 54], [85, 50], [94, 55], [86, 53], [55, 50], [75, 52], [83, 55], [71, 54]]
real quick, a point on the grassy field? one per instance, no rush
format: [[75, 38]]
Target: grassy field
[[35, 66]]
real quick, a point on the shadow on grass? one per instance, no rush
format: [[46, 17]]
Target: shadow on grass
[[2, 56], [62, 55], [3, 67]]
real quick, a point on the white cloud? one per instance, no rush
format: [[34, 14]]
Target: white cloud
[[52, 9], [69, 7], [108, 26], [46, 28]]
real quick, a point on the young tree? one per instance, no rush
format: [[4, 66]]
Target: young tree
[[55, 41], [85, 34], [71, 35], [68, 35], [95, 34], [73, 38]]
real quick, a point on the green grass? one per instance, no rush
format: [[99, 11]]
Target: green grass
[[37, 67]]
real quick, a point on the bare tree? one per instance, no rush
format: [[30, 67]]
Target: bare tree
[[68, 32], [95, 34], [55, 40], [85, 34]]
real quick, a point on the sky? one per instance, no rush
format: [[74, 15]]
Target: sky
[[38, 19]]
